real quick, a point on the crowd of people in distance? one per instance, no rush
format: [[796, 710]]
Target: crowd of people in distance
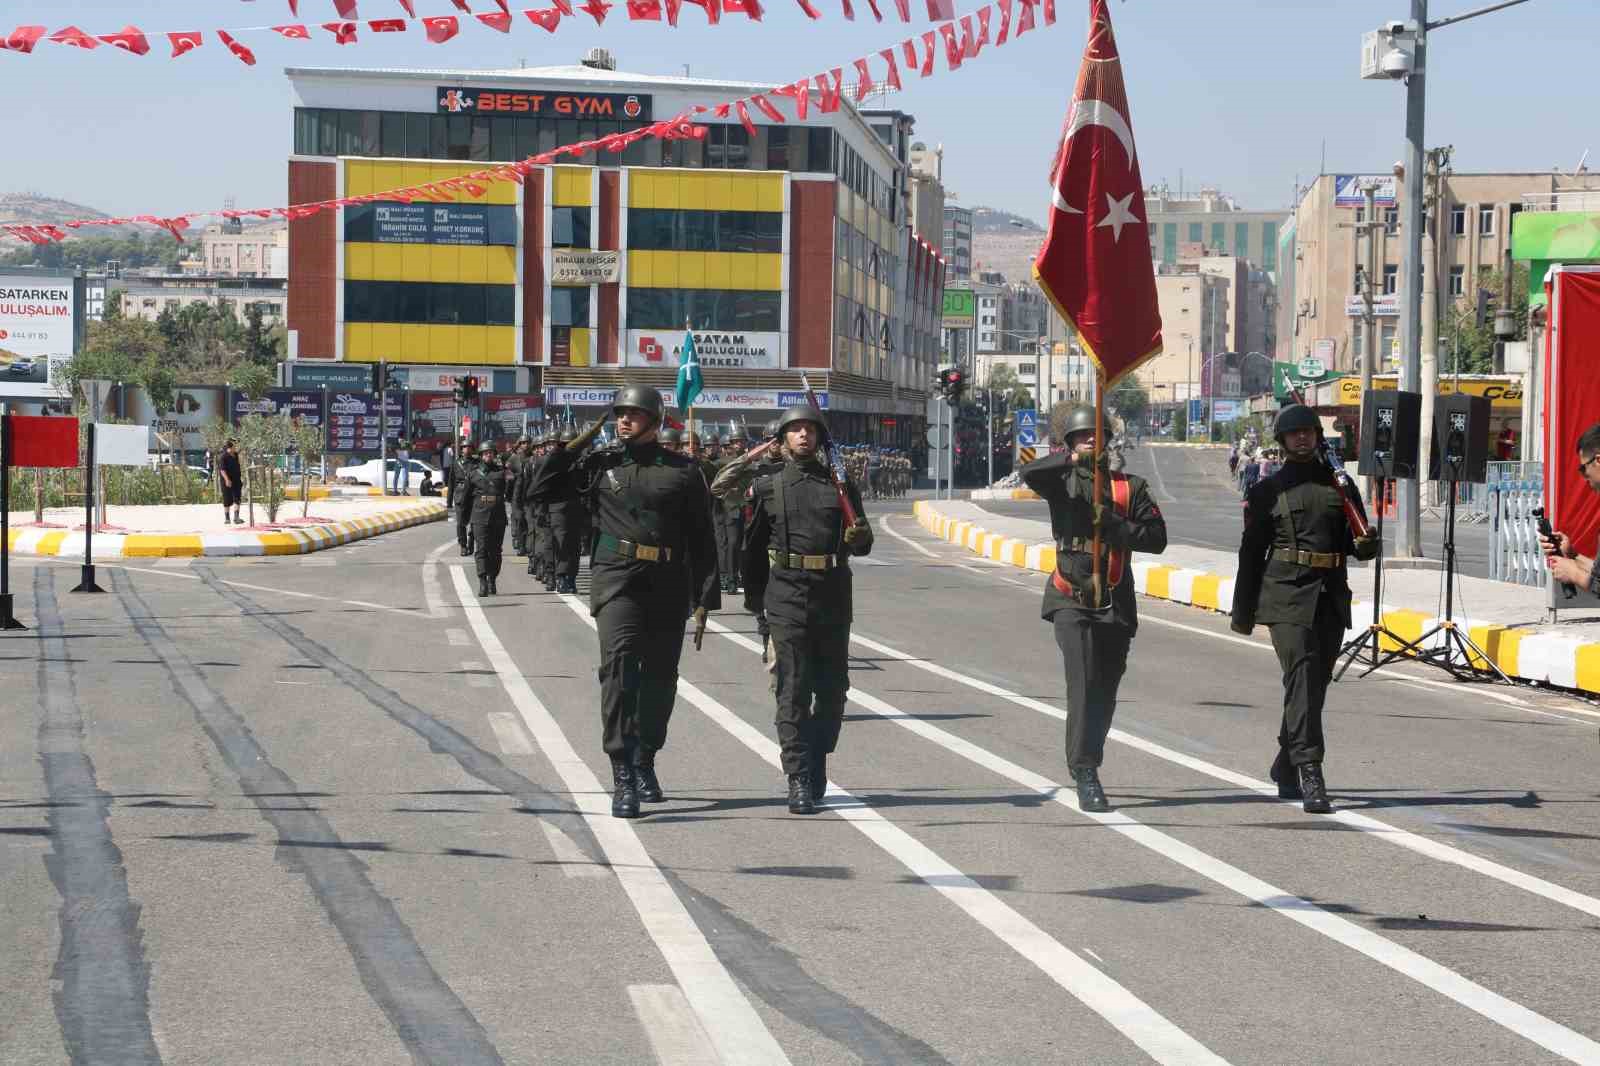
[[883, 473], [1250, 463]]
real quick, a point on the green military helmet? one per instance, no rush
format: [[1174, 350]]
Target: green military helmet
[[770, 429], [801, 413], [641, 397], [568, 435], [1075, 419], [1293, 417], [670, 436]]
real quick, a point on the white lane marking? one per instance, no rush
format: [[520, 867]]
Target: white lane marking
[[430, 583], [459, 638], [410, 612], [1161, 485], [514, 740], [1132, 1017], [1422, 845], [1513, 1016], [182, 562], [895, 533], [735, 1029], [1093, 956], [307, 560], [675, 1036], [574, 863], [1422, 684]]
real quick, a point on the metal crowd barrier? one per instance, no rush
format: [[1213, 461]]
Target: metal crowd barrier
[[1511, 493]]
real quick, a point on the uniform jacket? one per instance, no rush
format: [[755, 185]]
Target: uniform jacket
[[795, 509], [1297, 507], [484, 492], [1069, 490], [643, 494]]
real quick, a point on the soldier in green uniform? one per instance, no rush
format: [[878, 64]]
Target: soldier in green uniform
[[524, 502], [1292, 579], [539, 560], [484, 497], [514, 517], [461, 473], [671, 439], [1093, 632], [654, 564], [566, 512]]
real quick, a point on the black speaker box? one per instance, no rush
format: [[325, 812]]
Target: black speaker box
[[1460, 446], [1391, 425]]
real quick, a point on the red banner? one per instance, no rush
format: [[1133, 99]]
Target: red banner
[[43, 440], [1571, 402]]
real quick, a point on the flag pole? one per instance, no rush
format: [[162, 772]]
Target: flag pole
[[1099, 474]]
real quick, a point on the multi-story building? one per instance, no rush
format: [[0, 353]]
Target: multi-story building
[[228, 249], [788, 250], [1194, 320], [147, 295], [1323, 313], [1214, 221], [957, 245], [927, 194]]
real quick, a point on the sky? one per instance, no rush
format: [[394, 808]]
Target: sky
[[1245, 95]]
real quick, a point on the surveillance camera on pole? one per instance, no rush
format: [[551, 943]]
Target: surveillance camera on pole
[[1389, 53]]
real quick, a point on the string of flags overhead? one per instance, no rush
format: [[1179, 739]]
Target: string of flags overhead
[[958, 41], [438, 29]]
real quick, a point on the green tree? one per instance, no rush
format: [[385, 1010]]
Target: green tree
[[252, 379], [113, 305], [308, 441], [1468, 345], [160, 385], [1011, 392], [1130, 400]]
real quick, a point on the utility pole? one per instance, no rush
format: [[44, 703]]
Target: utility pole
[[1408, 503], [1437, 160]]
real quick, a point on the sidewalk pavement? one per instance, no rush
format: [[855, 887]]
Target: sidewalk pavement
[[1507, 621], [198, 529]]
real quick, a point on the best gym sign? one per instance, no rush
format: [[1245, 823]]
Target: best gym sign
[[619, 106]]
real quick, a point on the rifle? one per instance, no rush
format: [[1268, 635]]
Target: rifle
[[831, 460], [1359, 529]]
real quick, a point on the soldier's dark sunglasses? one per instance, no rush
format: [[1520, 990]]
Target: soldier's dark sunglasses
[[1583, 467]]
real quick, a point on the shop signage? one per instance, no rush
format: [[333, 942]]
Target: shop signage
[[334, 375], [1312, 366], [354, 423], [424, 380], [1500, 392], [579, 266], [1287, 377], [1382, 306], [709, 400], [303, 406], [960, 309], [1349, 190], [629, 106], [38, 324], [420, 223], [717, 349]]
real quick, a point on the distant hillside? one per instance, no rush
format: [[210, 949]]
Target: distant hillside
[[34, 209], [987, 220]]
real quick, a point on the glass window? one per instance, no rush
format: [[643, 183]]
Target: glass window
[[570, 306], [1458, 220], [606, 128], [481, 140], [392, 134], [1241, 240], [1486, 221], [549, 135], [645, 152], [500, 305], [569, 227], [410, 300], [1219, 240], [328, 132], [1169, 242], [705, 231], [438, 137], [371, 142], [442, 304], [738, 148], [305, 131], [1194, 233], [502, 139], [417, 137], [587, 131], [716, 146], [458, 134], [1391, 280], [819, 149], [1458, 281], [349, 133], [1391, 220], [527, 142], [755, 312], [1269, 246]]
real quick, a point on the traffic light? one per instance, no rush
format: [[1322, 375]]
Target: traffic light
[[952, 383], [469, 389]]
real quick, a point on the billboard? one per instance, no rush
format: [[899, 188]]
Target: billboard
[[38, 331], [302, 405], [423, 223], [717, 349], [193, 406], [505, 416], [1348, 190], [433, 416], [560, 396], [355, 423], [960, 309], [580, 266]]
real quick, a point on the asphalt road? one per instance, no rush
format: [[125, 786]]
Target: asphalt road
[[1203, 508], [334, 809]]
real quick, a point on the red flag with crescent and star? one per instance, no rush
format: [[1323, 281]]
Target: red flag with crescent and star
[[1095, 263]]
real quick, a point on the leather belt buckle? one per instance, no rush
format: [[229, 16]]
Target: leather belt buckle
[[646, 552], [815, 562]]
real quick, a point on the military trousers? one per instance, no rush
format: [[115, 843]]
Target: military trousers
[[489, 533], [515, 519], [1094, 654], [1307, 655], [730, 547], [640, 645], [463, 523], [566, 530], [813, 678]]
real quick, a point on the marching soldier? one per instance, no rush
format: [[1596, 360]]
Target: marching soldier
[[523, 498], [672, 440], [731, 484], [566, 516], [462, 472], [1292, 578], [732, 517], [484, 497], [1094, 628], [539, 563], [796, 559], [514, 519], [654, 563]]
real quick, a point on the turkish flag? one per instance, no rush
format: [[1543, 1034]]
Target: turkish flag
[[42, 440], [751, 8], [495, 20], [387, 25], [546, 18], [343, 32], [23, 38], [247, 57], [293, 32], [346, 8], [597, 10], [75, 37], [440, 28], [411, 11], [185, 41], [129, 39], [1095, 262]]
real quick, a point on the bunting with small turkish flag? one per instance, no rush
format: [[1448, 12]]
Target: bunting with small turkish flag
[[440, 28], [23, 38], [129, 39], [247, 57], [185, 41], [1095, 262]]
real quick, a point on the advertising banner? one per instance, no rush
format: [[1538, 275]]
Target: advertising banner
[[1382, 306], [193, 406], [580, 266], [504, 416], [717, 349], [422, 379], [38, 325], [709, 400], [1571, 403], [302, 405], [355, 424], [420, 223], [121, 445], [1349, 190], [1227, 410], [453, 100], [433, 417]]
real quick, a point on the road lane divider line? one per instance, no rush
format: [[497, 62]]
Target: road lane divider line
[[883, 523], [733, 1025], [510, 735], [1415, 842], [1135, 1019], [431, 593], [675, 1036], [1526, 1023]]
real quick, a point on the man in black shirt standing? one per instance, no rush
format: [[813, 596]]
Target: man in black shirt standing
[[232, 478], [1094, 628], [1292, 578], [796, 563], [654, 562]]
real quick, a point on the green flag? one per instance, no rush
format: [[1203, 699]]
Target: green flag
[[690, 384]]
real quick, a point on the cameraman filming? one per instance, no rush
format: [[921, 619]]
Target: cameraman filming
[[1566, 565]]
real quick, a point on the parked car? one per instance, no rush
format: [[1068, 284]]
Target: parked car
[[368, 473]]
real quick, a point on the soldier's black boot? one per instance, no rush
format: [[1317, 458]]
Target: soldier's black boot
[[1286, 777], [1315, 789], [644, 776], [492, 590], [465, 550], [1091, 797], [533, 571], [483, 585], [819, 777], [625, 798], [800, 795], [566, 584]]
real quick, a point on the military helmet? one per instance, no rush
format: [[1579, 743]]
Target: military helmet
[[671, 436], [1293, 417], [1076, 419], [642, 397], [486, 447], [524, 439], [770, 429], [801, 413], [568, 435]]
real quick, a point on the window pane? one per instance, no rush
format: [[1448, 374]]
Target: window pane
[[479, 149], [527, 137], [502, 139], [819, 155], [604, 129], [586, 132], [645, 152], [392, 138], [460, 137], [417, 146], [357, 306], [441, 304], [471, 302], [500, 305], [349, 133], [777, 148], [549, 134], [328, 135], [411, 302], [438, 137], [371, 135], [738, 151], [305, 131]]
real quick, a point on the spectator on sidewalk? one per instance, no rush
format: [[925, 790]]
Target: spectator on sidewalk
[[402, 468], [1566, 565], [232, 478]]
